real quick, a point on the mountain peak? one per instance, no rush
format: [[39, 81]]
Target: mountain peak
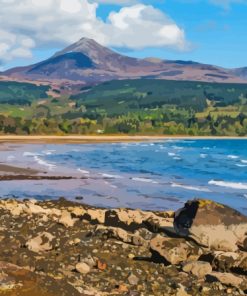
[[88, 47]]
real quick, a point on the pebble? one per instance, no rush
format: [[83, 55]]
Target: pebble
[[133, 279], [82, 268]]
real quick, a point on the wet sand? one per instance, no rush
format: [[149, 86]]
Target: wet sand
[[17, 170]]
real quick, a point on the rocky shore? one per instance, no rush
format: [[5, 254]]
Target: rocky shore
[[55, 248]]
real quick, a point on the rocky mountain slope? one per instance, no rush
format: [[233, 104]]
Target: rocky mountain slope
[[56, 248], [88, 62]]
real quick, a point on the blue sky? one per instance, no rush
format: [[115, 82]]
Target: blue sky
[[208, 31]]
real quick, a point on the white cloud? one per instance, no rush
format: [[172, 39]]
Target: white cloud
[[117, 2], [30, 24]]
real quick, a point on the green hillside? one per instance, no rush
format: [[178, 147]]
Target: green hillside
[[16, 93], [120, 97], [144, 106]]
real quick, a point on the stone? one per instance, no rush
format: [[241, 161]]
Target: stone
[[43, 242], [197, 268], [119, 234], [66, 219], [212, 225], [82, 268], [133, 279], [227, 261], [90, 261], [228, 279], [101, 265], [174, 250], [182, 291]]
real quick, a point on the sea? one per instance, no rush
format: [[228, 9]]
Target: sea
[[160, 175]]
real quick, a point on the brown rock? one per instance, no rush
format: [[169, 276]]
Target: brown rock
[[43, 242], [197, 268], [174, 250], [212, 225], [228, 279], [66, 219]]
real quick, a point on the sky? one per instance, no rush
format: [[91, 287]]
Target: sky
[[207, 31]]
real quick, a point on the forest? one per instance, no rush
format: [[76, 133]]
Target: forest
[[144, 107]]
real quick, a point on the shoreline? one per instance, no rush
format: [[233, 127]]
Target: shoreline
[[105, 139]]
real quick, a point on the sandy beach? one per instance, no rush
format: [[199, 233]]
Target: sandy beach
[[102, 138]]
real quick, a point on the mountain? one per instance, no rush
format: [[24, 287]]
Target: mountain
[[240, 72], [88, 62]]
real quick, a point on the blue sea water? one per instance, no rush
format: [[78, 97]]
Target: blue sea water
[[147, 175]]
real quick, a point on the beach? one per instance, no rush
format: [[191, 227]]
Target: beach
[[55, 248], [104, 138]]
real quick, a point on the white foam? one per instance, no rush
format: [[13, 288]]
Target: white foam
[[42, 162], [31, 154], [83, 171], [171, 154], [232, 156], [10, 157], [241, 165], [146, 180], [188, 187], [203, 155], [111, 176], [177, 158], [232, 185], [48, 152], [244, 161]]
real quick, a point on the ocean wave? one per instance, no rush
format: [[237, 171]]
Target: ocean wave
[[232, 156], [83, 171], [203, 155], [188, 187], [241, 165], [177, 158], [232, 185], [31, 154], [111, 176], [244, 161], [146, 180], [177, 147], [171, 154], [48, 152], [42, 162]]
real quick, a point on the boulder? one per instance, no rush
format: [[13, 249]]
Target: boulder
[[212, 225], [43, 242], [66, 219], [228, 261], [229, 279], [197, 268], [174, 250]]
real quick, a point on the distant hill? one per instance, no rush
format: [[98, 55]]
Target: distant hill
[[88, 63], [240, 72]]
